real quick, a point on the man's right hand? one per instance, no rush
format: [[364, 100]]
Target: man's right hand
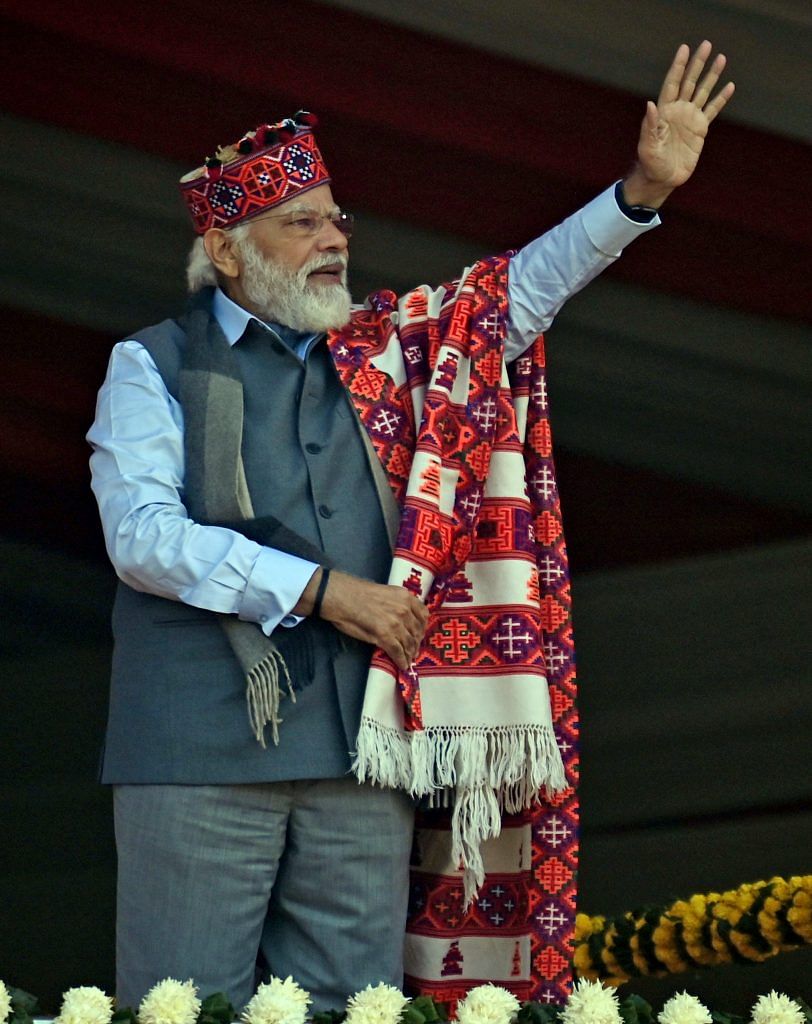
[[391, 618]]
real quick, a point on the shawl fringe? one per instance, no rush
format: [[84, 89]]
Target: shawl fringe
[[263, 694], [490, 769]]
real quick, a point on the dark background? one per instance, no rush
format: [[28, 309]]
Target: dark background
[[680, 397]]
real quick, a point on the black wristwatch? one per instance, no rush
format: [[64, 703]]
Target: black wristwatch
[[639, 214]]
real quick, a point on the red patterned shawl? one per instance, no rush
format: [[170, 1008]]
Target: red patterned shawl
[[487, 711]]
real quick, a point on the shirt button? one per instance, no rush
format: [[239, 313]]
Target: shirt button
[[325, 511], [263, 618], [313, 448]]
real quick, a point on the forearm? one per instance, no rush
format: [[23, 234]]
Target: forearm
[[558, 264], [137, 477]]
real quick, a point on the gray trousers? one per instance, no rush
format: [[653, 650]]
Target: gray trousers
[[312, 874]]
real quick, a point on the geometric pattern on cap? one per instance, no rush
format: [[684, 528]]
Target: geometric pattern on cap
[[254, 183]]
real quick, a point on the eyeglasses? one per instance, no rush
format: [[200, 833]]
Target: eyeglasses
[[308, 223]]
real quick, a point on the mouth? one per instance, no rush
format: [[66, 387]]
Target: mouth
[[331, 274]]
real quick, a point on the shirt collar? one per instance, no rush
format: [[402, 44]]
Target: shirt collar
[[234, 320]]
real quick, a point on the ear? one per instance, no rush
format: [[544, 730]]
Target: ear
[[218, 245]]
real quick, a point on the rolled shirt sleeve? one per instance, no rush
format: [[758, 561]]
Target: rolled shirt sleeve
[[137, 469], [559, 263]]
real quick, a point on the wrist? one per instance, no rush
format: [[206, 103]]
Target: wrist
[[640, 190], [304, 606], [316, 612]]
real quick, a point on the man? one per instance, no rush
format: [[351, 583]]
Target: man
[[251, 521]]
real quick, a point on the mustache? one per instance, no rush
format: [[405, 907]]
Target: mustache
[[327, 259]]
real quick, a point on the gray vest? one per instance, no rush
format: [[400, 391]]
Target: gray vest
[[177, 706]]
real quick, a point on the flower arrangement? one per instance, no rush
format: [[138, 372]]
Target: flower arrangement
[[684, 1009], [591, 1003], [277, 1002], [170, 1002], [745, 925], [5, 1003], [85, 1005], [382, 1004], [488, 1004], [776, 1008], [285, 1002]]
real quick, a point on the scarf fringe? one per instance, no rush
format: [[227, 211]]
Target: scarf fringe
[[490, 769], [263, 694]]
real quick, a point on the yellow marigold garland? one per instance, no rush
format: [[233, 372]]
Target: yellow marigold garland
[[744, 925]]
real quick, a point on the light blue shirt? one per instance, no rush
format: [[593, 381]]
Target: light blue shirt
[[137, 463]]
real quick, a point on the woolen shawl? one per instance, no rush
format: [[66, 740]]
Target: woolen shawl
[[470, 721]]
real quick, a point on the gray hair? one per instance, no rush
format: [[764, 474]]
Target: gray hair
[[200, 272]]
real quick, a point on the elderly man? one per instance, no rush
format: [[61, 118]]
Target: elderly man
[[248, 504]]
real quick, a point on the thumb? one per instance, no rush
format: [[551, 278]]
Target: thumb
[[652, 116]]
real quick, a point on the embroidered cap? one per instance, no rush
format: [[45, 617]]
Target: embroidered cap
[[266, 167]]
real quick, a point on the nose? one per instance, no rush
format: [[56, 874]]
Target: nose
[[331, 238]]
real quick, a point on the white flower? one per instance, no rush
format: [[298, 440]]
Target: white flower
[[85, 1005], [278, 1002], [776, 1008], [684, 1009], [487, 1004], [170, 1002], [5, 1003], [382, 1004], [591, 1003]]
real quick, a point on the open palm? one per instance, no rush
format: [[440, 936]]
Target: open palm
[[673, 131]]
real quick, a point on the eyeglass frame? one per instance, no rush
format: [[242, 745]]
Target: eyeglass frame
[[340, 219]]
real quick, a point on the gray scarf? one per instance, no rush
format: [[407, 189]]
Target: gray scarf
[[216, 492]]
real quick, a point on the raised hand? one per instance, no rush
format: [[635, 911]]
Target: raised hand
[[674, 128]]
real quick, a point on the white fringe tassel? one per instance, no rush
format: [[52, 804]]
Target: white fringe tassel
[[263, 695], [491, 770]]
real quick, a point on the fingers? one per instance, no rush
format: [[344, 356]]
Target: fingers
[[682, 80], [695, 68], [705, 88], [402, 635], [389, 617], [673, 77], [719, 101]]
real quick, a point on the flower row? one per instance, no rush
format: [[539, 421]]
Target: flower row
[[284, 1002], [745, 925]]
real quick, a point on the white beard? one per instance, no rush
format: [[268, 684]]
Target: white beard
[[285, 297]]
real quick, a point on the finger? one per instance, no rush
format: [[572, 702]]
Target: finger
[[651, 118], [419, 617], [695, 69], [401, 657], [707, 84], [673, 77], [719, 101]]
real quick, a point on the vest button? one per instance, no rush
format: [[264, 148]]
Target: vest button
[[325, 511], [313, 448]]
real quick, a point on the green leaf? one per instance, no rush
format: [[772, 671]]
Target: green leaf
[[22, 1002], [330, 1017], [635, 1010], [20, 1017], [216, 1009], [412, 1015], [806, 1008], [538, 1013], [429, 1010], [23, 1006], [719, 1017], [124, 1015]]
